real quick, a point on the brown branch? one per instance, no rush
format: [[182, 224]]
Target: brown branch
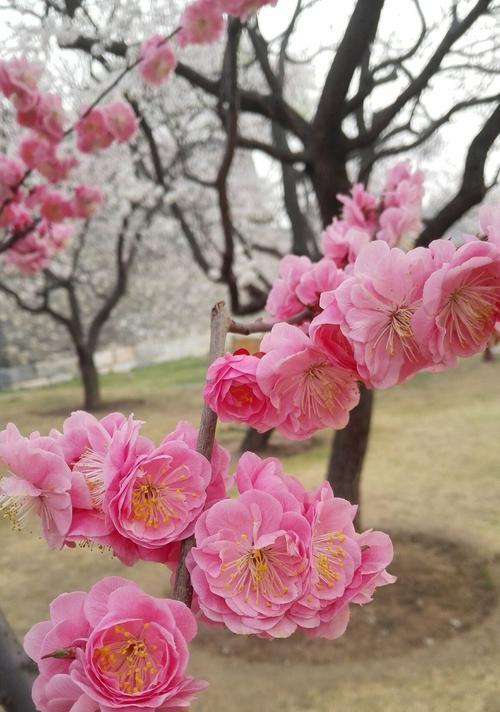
[[358, 36], [183, 589], [473, 187], [384, 117], [259, 326]]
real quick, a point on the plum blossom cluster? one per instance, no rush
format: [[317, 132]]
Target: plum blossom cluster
[[369, 313], [35, 216], [114, 647], [277, 558], [32, 217], [100, 481]]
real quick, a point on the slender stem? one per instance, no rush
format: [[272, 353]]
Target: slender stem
[[259, 326], [183, 590]]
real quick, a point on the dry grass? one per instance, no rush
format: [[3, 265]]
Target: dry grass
[[433, 468]]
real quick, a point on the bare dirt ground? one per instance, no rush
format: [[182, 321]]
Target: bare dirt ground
[[430, 643]]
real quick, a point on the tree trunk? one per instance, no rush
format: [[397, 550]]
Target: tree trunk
[[90, 379], [17, 672], [488, 355], [348, 452], [255, 441]]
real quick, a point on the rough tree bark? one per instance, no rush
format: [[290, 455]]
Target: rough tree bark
[[90, 379], [255, 441], [17, 672], [349, 450]]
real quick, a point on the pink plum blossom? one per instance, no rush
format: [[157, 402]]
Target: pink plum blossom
[[154, 500], [201, 23], [11, 173], [266, 475], [157, 60], [220, 480], [113, 648], [50, 117], [55, 206], [250, 564], [360, 209], [29, 254], [120, 120], [346, 567], [326, 334], [19, 81], [342, 243], [307, 390], [92, 132], [232, 391], [376, 306], [489, 219], [461, 303], [39, 483], [322, 277], [282, 302], [86, 201], [39, 153], [400, 216]]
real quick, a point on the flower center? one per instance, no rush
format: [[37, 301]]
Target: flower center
[[319, 388], [469, 309], [129, 658], [151, 502], [398, 330], [262, 572], [242, 393], [328, 558], [91, 465]]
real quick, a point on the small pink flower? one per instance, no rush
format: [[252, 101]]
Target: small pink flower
[[154, 500], [346, 567], [282, 302], [55, 207], [16, 216], [244, 8], [86, 201], [221, 480], [233, 393], [201, 23], [489, 219], [307, 390], [39, 483], [461, 303], [342, 243], [360, 209], [157, 60], [50, 117], [254, 473], [11, 173], [120, 120], [29, 254], [250, 564], [19, 81], [113, 648], [322, 277], [401, 212], [376, 307], [92, 132], [326, 334]]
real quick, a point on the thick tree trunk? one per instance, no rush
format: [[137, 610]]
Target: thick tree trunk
[[90, 379], [17, 672], [348, 452], [255, 441]]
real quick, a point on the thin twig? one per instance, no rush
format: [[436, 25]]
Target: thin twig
[[259, 326], [183, 590]]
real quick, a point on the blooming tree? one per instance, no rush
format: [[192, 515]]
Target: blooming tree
[[275, 558], [376, 102]]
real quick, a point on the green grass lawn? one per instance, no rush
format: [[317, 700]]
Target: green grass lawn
[[433, 468]]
